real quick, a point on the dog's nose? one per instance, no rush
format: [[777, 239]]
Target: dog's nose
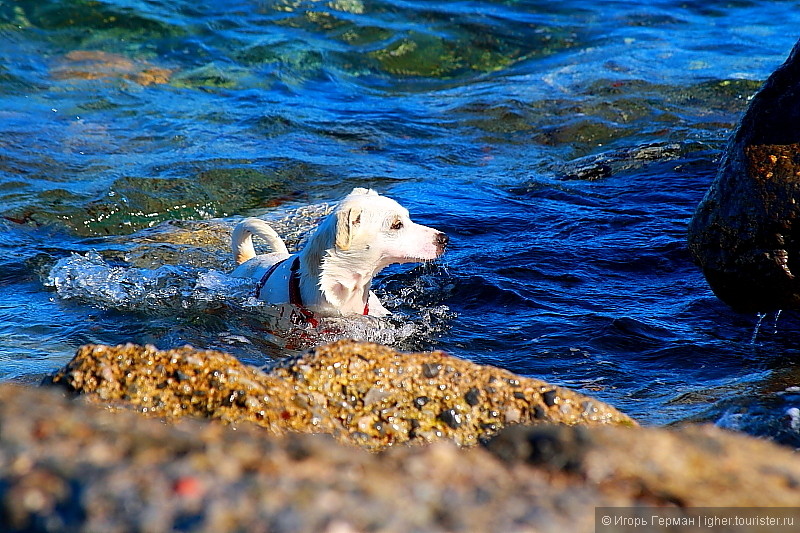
[[441, 241]]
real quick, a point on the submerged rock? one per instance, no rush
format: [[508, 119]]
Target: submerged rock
[[361, 393], [207, 243], [100, 65], [68, 466], [744, 233], [180, 242]]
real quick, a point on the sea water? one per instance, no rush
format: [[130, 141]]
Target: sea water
[[562, 146]]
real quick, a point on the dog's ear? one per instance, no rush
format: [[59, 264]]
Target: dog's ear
[[363, 191], [347, 223]]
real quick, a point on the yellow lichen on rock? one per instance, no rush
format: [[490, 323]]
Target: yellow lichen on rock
[[362, 393]]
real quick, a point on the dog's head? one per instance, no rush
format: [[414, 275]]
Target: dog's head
[[365, 233], [380, 230]]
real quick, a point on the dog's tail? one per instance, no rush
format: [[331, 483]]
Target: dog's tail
[[242, 239]]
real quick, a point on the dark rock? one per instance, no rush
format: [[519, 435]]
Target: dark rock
[[548, 446], [600, 166], [744, 234], [550, 397], [452, 418], [473, 397]]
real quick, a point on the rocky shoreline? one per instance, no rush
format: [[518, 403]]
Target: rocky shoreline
[[361, 393], [317, 444]]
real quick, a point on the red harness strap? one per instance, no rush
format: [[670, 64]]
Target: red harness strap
[[295, 298]]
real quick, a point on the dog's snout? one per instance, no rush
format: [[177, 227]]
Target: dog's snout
[[441, 241]]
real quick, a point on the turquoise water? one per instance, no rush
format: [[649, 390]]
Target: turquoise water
[[563, 147]]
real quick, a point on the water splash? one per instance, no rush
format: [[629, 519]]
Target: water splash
[[91, 279], [757, 328], [187, 292], [759, 323], [775, 322]]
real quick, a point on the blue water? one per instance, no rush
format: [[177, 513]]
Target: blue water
[[563, 146]]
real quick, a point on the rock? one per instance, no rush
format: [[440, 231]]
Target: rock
[[692, 466], [207, 243], [71, 466], [99, 65], [186, 382], [600, 166], [361, 393], [174, 242], [551, 447], [744, 233]]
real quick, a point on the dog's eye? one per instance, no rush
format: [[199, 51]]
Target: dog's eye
[[397, 224]]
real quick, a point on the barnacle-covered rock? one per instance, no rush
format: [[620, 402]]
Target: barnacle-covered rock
[[184, 382], [381, 396], [363, 393]]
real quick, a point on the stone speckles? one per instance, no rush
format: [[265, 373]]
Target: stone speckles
[[430, 370], [472, 397], [363, 393], [452, 418], [550, 398], [420, 401]]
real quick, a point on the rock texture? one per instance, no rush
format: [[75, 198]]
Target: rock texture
[[361, 393], [745, 233], [69, 466]]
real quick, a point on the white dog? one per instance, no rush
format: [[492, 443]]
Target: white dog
[[332, 274]]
